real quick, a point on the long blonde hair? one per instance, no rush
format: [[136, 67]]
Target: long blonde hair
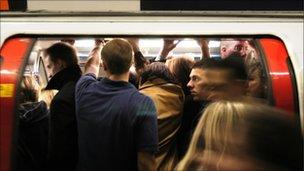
[[213, 132]]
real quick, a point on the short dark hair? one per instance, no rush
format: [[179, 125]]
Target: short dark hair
[[117, 55], [234, 63], [208, 63], [157, 70], [62, 51]]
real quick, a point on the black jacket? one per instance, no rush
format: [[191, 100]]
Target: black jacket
[[191, 116], [33, 132], [63, 146]]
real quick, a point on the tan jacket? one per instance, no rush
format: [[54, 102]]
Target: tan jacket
[[169, 100]]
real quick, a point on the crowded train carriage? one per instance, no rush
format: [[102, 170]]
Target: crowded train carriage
[[86, 100]]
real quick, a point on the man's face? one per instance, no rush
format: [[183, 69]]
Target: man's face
[[198, 80], [212, 85], [53, 67], [229, 47]]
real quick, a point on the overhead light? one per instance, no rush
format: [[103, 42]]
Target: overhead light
[[148, 43], [214, 44], [187, 43], [85, 43]]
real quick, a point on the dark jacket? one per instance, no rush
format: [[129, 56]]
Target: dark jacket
[[63, 146], [33, 132], [191, 115]]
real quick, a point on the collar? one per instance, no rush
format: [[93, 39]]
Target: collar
[[72, 73], [151, 83], [115, 82]]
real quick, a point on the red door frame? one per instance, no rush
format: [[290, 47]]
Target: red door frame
[[276, 57], [14, 53], [4, 5]]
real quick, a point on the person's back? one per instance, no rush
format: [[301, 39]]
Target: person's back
[[158, 83], [33, 128], [115, 121]]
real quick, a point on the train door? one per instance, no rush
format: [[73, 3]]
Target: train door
[[15, 58]]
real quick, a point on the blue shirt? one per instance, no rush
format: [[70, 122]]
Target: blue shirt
[[115, 121]]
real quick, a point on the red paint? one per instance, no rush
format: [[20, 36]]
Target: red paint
[[276, 56], [4, 5], [13, 52]]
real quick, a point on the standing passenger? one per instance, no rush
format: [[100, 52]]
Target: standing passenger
[[180, 67], [245, 135], [211, 80], [62, 62], [117, 124], [33, 127], [158, 83]]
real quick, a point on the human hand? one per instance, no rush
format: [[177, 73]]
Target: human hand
[[70, 41], [100, 42], [134, 41], [203, 43], [169, 44]]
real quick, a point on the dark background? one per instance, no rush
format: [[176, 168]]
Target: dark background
[[197, 5], [17, 5]]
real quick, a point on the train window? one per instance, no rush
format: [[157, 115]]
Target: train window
[[256, 54], [189, 47]]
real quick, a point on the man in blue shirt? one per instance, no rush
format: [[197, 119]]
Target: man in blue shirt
[[117, 124]]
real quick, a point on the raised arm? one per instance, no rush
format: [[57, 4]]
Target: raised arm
[[93, 64], [203, 43], [139, 60], [168, 46]]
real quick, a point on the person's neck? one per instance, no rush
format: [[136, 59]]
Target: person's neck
[[121, 77]]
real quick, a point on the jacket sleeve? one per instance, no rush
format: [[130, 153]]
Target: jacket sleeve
[[83, 83]]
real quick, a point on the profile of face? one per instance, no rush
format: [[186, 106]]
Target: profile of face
[[198, 80], [52, 67], [213, 85], [233, 46]]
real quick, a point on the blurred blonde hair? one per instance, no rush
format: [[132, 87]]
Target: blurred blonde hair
[[47, 96], [257, 136], [214, 132], [30, 89]]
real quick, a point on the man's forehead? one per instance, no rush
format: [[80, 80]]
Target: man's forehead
[[215, 74], [197, 72], [47, 59]]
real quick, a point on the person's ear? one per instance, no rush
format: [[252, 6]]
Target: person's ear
[[61, 64], [223, 49]]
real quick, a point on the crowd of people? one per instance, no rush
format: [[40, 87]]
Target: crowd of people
[[170, 113]]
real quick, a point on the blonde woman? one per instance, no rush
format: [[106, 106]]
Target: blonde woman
[[33, 127], [244, 136], [213, 132]]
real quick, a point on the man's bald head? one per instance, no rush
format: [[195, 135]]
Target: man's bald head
[[229, 46]]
